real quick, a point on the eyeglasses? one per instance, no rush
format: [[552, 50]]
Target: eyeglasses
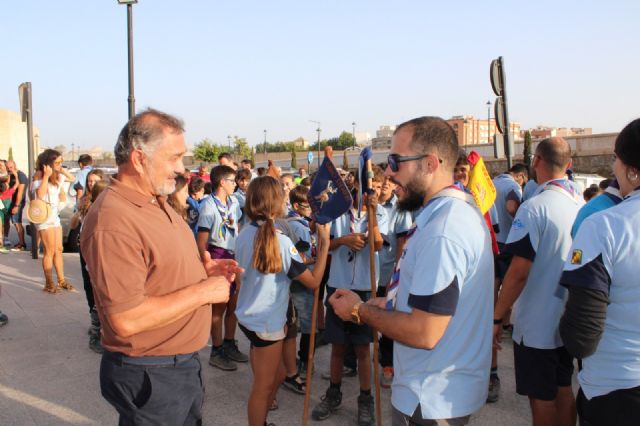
[[230, 180]]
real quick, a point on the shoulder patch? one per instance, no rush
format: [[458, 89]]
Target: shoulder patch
[[576, 257], [517, 224], [293, 251]]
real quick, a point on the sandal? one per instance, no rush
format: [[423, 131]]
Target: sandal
[[66, 286], [51, 288], [274, 405], [295, 384]]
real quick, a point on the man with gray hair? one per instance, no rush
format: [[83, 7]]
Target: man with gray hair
[[152, 289]]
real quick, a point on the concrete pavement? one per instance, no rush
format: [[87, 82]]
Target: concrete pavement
[[48, 375]]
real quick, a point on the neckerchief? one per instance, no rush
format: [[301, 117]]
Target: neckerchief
[[563, 186], [228, 223], [453, 191]]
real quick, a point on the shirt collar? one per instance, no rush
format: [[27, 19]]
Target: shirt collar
[[131, 195]]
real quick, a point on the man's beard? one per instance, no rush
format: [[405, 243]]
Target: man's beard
[[413, 197], [162, 189]]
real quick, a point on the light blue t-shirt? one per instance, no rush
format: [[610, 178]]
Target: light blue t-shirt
[[350, 269], [241, 197], [506, 189], [604, 256], [300, 228], [399, 224], [81, 177], [447, 269], [530, 189], [263, 298], [210, 217], [541, 232], [609, 198]]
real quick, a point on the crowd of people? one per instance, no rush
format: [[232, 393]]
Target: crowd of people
[[171, 259]]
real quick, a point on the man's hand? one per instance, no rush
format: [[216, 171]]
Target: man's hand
[[497, 336], [14, 210], [371, 200], [226, 268], [378, 302], [217, 289], [343, 301], [354, 241]]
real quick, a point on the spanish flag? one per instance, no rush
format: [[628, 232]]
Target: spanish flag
[[481, 187]]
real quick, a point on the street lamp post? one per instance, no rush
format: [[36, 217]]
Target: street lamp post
[[354, 134], [317, 130], [489, 122], [131, 99], [265, 144], [229, 142]]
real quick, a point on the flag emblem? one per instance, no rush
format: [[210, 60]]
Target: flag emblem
[[576, 257]]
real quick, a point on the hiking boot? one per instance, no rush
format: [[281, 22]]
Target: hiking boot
[[3, 319], [232, 352], [219, 360], [366, 416], [94, 343], [328, 404], [494, 389], [387, 377]]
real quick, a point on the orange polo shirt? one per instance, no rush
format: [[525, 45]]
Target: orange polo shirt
[[136, 246]]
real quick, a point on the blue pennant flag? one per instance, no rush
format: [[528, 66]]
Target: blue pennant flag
[[329, 196], [365, 155]]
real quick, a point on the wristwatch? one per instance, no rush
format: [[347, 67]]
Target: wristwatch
[[355, 313]]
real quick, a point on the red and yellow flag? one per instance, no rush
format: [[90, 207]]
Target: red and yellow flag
[[480, 183]]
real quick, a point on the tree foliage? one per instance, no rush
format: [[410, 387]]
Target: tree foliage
[[527, 148], [342, 142], [207, 151]]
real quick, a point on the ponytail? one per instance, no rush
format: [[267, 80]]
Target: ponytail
[[266, 250]]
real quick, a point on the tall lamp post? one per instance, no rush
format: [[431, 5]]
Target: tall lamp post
[[354, 134], [229, 143], [489, 122], [265, 144], [131, 99], [317, 130]]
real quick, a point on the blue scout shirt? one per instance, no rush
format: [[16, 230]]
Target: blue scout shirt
[[222, 233], [541, 232], [609, 198], [241, 197], [447, 269], [350, 269], [263, 298], [530, 189], [604, 256], [398, 226], [506, 189]]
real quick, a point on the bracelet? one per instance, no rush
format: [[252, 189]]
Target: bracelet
[[497, 321]]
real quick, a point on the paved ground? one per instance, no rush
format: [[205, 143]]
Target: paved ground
[[48, 376]]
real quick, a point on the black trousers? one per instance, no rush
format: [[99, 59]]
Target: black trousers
[[620, 408], [153, 390], [86, 279]]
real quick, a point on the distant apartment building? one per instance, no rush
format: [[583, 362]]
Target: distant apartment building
[[383, 137], [542, 132], [474, 131], [301, 143], [13, 135]]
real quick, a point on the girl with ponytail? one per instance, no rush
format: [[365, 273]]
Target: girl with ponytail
[[271, 262]]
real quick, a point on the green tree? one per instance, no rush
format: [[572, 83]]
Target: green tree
[[241, 148], [107, 155], [526, 153], [345, 160], [10, 155], [294, 160], [207, 151]]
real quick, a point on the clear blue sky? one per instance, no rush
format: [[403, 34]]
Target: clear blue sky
[[238, 67]]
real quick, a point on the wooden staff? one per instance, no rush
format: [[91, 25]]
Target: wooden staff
[[312, 345], [372, 275]]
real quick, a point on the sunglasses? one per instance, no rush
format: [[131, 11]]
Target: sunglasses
[[394, 160]]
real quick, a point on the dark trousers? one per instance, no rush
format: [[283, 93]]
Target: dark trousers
[[386, 344], [153, 390], [86, 279], [620, 408]]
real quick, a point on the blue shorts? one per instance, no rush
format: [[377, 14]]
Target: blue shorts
[[302, 299], [17, 218]]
